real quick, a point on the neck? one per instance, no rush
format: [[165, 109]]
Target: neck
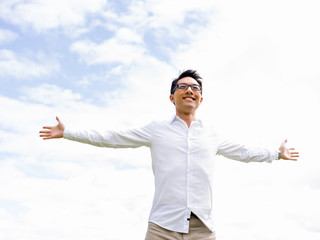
[[187, 117]]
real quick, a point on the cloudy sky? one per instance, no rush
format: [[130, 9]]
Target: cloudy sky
[[109, 64]]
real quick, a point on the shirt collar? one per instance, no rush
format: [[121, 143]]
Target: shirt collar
[[176, 118]]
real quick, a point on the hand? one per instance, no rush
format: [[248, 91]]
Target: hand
[[53, 132], [287, 153]]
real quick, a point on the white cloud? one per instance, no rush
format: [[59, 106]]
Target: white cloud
[[107, 52], [44, 15], [93, 201], [169, 13], [50, 94], [164, 14], [7, 36], [260, 79], [176, 21], [128, 35], [129, 44], [61, 189], [20, 67], [287, 37]]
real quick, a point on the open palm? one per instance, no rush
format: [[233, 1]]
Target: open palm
[[288, 153], [53, 131]]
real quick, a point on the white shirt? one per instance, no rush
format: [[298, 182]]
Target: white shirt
[[182, 163]]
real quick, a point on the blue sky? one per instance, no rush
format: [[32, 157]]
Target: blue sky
[[109, 64], [83, 52]]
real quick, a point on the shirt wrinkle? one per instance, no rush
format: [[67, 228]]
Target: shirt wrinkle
[[182, 163]]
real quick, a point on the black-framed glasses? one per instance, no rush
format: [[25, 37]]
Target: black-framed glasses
[[184, 86]]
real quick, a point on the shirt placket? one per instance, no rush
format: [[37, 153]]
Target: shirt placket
[[189, 136]]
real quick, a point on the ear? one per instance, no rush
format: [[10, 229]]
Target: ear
[[171, 97], [201, 99]]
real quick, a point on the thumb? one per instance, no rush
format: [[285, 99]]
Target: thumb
[[283, 145], [58, 119]]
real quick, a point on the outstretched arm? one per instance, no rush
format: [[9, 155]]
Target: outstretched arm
[[114, 139], [288, 153], [246, 153], [53, 131]]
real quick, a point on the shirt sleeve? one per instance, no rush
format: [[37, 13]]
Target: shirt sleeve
[[245, 153], [131, 138]]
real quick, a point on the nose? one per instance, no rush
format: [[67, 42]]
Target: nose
[[189, 90]]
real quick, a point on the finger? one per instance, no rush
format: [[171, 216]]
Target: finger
[[45, 131], [291, 148], [294, 153], [44, 135], [47, 127], [291, 158], [46, 138]]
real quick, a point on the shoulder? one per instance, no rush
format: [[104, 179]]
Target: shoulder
[[159, 123], [208, 125]]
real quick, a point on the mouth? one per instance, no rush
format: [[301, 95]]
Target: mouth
[[189, 98]]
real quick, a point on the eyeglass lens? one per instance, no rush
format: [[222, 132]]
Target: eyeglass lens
[[185, 86]]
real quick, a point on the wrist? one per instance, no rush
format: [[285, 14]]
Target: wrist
[[279, 155]]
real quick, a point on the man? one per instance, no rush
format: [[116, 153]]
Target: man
[[183, 151]]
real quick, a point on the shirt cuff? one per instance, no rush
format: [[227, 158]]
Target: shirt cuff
[[276, 155], [67, 134]]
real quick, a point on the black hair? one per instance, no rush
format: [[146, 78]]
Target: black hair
[[188, 73]]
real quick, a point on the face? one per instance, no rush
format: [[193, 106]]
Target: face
[[186, 100]]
